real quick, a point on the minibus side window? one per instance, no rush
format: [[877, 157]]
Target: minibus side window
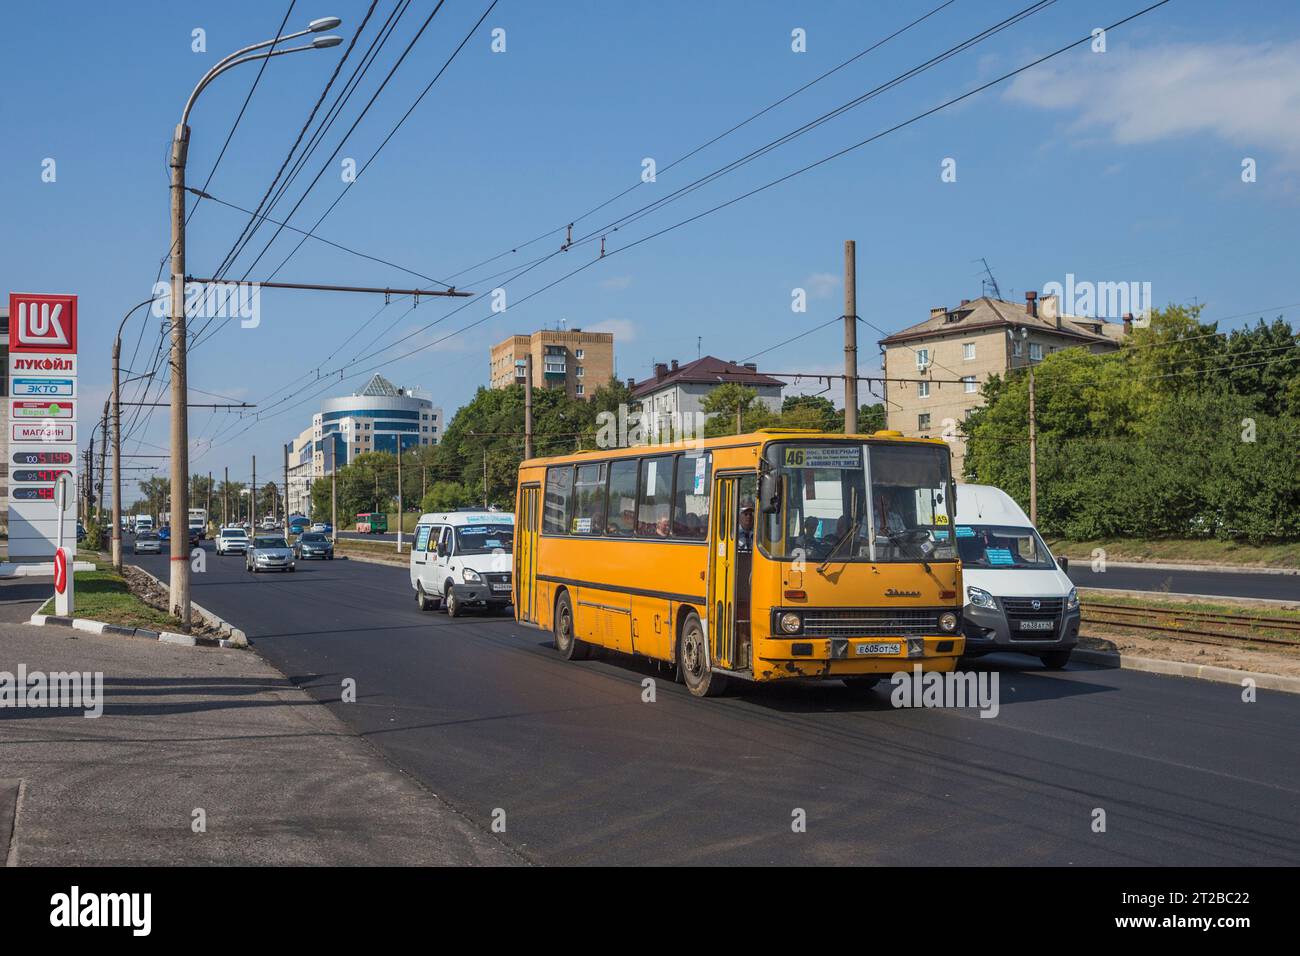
[[422, 537]]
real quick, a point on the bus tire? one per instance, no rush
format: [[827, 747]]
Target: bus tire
[[566, 641], [861, 686], [693, 660]]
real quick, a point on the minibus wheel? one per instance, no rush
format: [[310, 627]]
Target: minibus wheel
[[1055, 660], [693, 660], [451, 602], [421, 599], [570, 648]]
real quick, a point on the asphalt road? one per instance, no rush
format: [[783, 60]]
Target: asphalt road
[[1278, 587], [482, 712]]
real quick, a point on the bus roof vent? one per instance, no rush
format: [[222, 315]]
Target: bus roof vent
[[888, 433]]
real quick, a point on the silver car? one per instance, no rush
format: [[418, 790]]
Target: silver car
[[147, 542], [269, 552]]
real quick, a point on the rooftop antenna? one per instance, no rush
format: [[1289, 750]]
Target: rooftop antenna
[[990, 281]]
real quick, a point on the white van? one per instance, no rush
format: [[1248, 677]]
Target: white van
[[143, 523], [462, 559], [1018, 597]]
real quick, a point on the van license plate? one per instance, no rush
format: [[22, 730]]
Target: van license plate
[[500, 587], [1037, 625], [869, 649]]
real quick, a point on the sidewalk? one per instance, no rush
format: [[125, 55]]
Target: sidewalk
[[281, 780]]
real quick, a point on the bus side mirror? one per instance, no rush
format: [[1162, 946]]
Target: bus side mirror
[[769, 492]]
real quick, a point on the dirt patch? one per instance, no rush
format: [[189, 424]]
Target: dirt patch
[[157, 597], [1284, 661]]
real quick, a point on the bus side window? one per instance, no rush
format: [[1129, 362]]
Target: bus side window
[[621, 508], [558, 500]]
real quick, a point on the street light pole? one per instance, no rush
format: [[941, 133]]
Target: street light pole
[[179, 591]]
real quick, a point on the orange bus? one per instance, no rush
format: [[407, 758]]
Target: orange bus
[[767, 556]]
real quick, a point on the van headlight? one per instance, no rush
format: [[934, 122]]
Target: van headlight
[[979, 597], [471, 576], [790, 622], [948, 621], [1072, 600]]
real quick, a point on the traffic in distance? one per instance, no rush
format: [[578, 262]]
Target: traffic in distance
[[782, 554]]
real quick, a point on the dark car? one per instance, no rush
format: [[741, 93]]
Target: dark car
[[164, 533], [81, 532], [313, 544]]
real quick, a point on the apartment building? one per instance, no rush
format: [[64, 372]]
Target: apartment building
[[969, 343], [577, 361], [680, 390]]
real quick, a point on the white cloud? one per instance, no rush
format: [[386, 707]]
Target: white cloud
[[821, 285], [624, 329], [1247, 96], [616, 283]]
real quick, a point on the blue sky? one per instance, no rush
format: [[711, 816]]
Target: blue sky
[[1115, 166]]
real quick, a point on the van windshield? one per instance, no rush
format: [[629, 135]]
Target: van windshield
[[484, 538], [994, 547]]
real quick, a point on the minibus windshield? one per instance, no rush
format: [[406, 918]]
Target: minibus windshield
[[1002, 547]]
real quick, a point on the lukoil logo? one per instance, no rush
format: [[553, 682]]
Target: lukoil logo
[[45, 322], [44, 363]]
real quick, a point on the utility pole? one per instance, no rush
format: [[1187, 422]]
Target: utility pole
[[485, 485], [179, 597], [399, 494], [252, 501], [116, 395], [528, 405], [286, 492], [225, 498], [334, 501], [850, 337], [1033, 454], [208, 509], [103, 460]]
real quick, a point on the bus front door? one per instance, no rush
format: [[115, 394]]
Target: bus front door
[[526, 526], [722, 572]]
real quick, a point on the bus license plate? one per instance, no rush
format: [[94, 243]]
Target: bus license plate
[[877, 648], [1037, 625]]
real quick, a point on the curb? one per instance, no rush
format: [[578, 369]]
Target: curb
[[1223, 675], [233, 636], [99, 627], [368, 560], [1166, 566]]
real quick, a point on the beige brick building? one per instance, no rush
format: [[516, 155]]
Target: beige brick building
[[577, 361], [969, 343]]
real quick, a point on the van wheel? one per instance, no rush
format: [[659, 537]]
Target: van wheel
[[570, 648], [453, 603], [421, 599], [1056, 660], [693, 660]]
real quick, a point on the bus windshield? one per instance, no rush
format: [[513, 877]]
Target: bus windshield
[[827, 513]]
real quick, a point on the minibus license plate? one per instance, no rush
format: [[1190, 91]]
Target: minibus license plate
[[1037, 625], [500, 587], [876, 648]]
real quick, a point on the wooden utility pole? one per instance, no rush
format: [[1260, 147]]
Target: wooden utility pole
[[208, 509], [1033, 454], [334, 500], [528, 405], [850, 337], [225, 499], [286, 492]]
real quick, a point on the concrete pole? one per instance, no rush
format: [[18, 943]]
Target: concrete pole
[[179, 598], [399, 493], [850, 337], [1033, 454], [103, 461], [528, 405], [252, 501], [225, 498], [286, 492], [117, 455]]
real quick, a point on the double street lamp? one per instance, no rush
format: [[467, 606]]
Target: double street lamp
[[179, 598]]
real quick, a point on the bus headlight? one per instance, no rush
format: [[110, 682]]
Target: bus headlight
[[1072, 600], [790, 623], [979, 597], [948, 621], [471, 576]]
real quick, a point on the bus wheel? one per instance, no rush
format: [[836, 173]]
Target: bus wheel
[[861, 686], [570, 648], [693, 660]]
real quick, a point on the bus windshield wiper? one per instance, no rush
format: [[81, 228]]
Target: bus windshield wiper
[[848, 536]]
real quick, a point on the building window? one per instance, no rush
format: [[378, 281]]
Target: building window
[[970, 385], [579, 390], [581, 373], [968, 351], [922, 358], [1017, 348], [922, 389], [923, 422], [1035, 352], [579, 353]]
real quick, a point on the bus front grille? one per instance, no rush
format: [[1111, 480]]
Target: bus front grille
[[870, 622]]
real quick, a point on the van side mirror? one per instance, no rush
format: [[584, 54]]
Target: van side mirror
[[769, 492], [1065, 564]]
